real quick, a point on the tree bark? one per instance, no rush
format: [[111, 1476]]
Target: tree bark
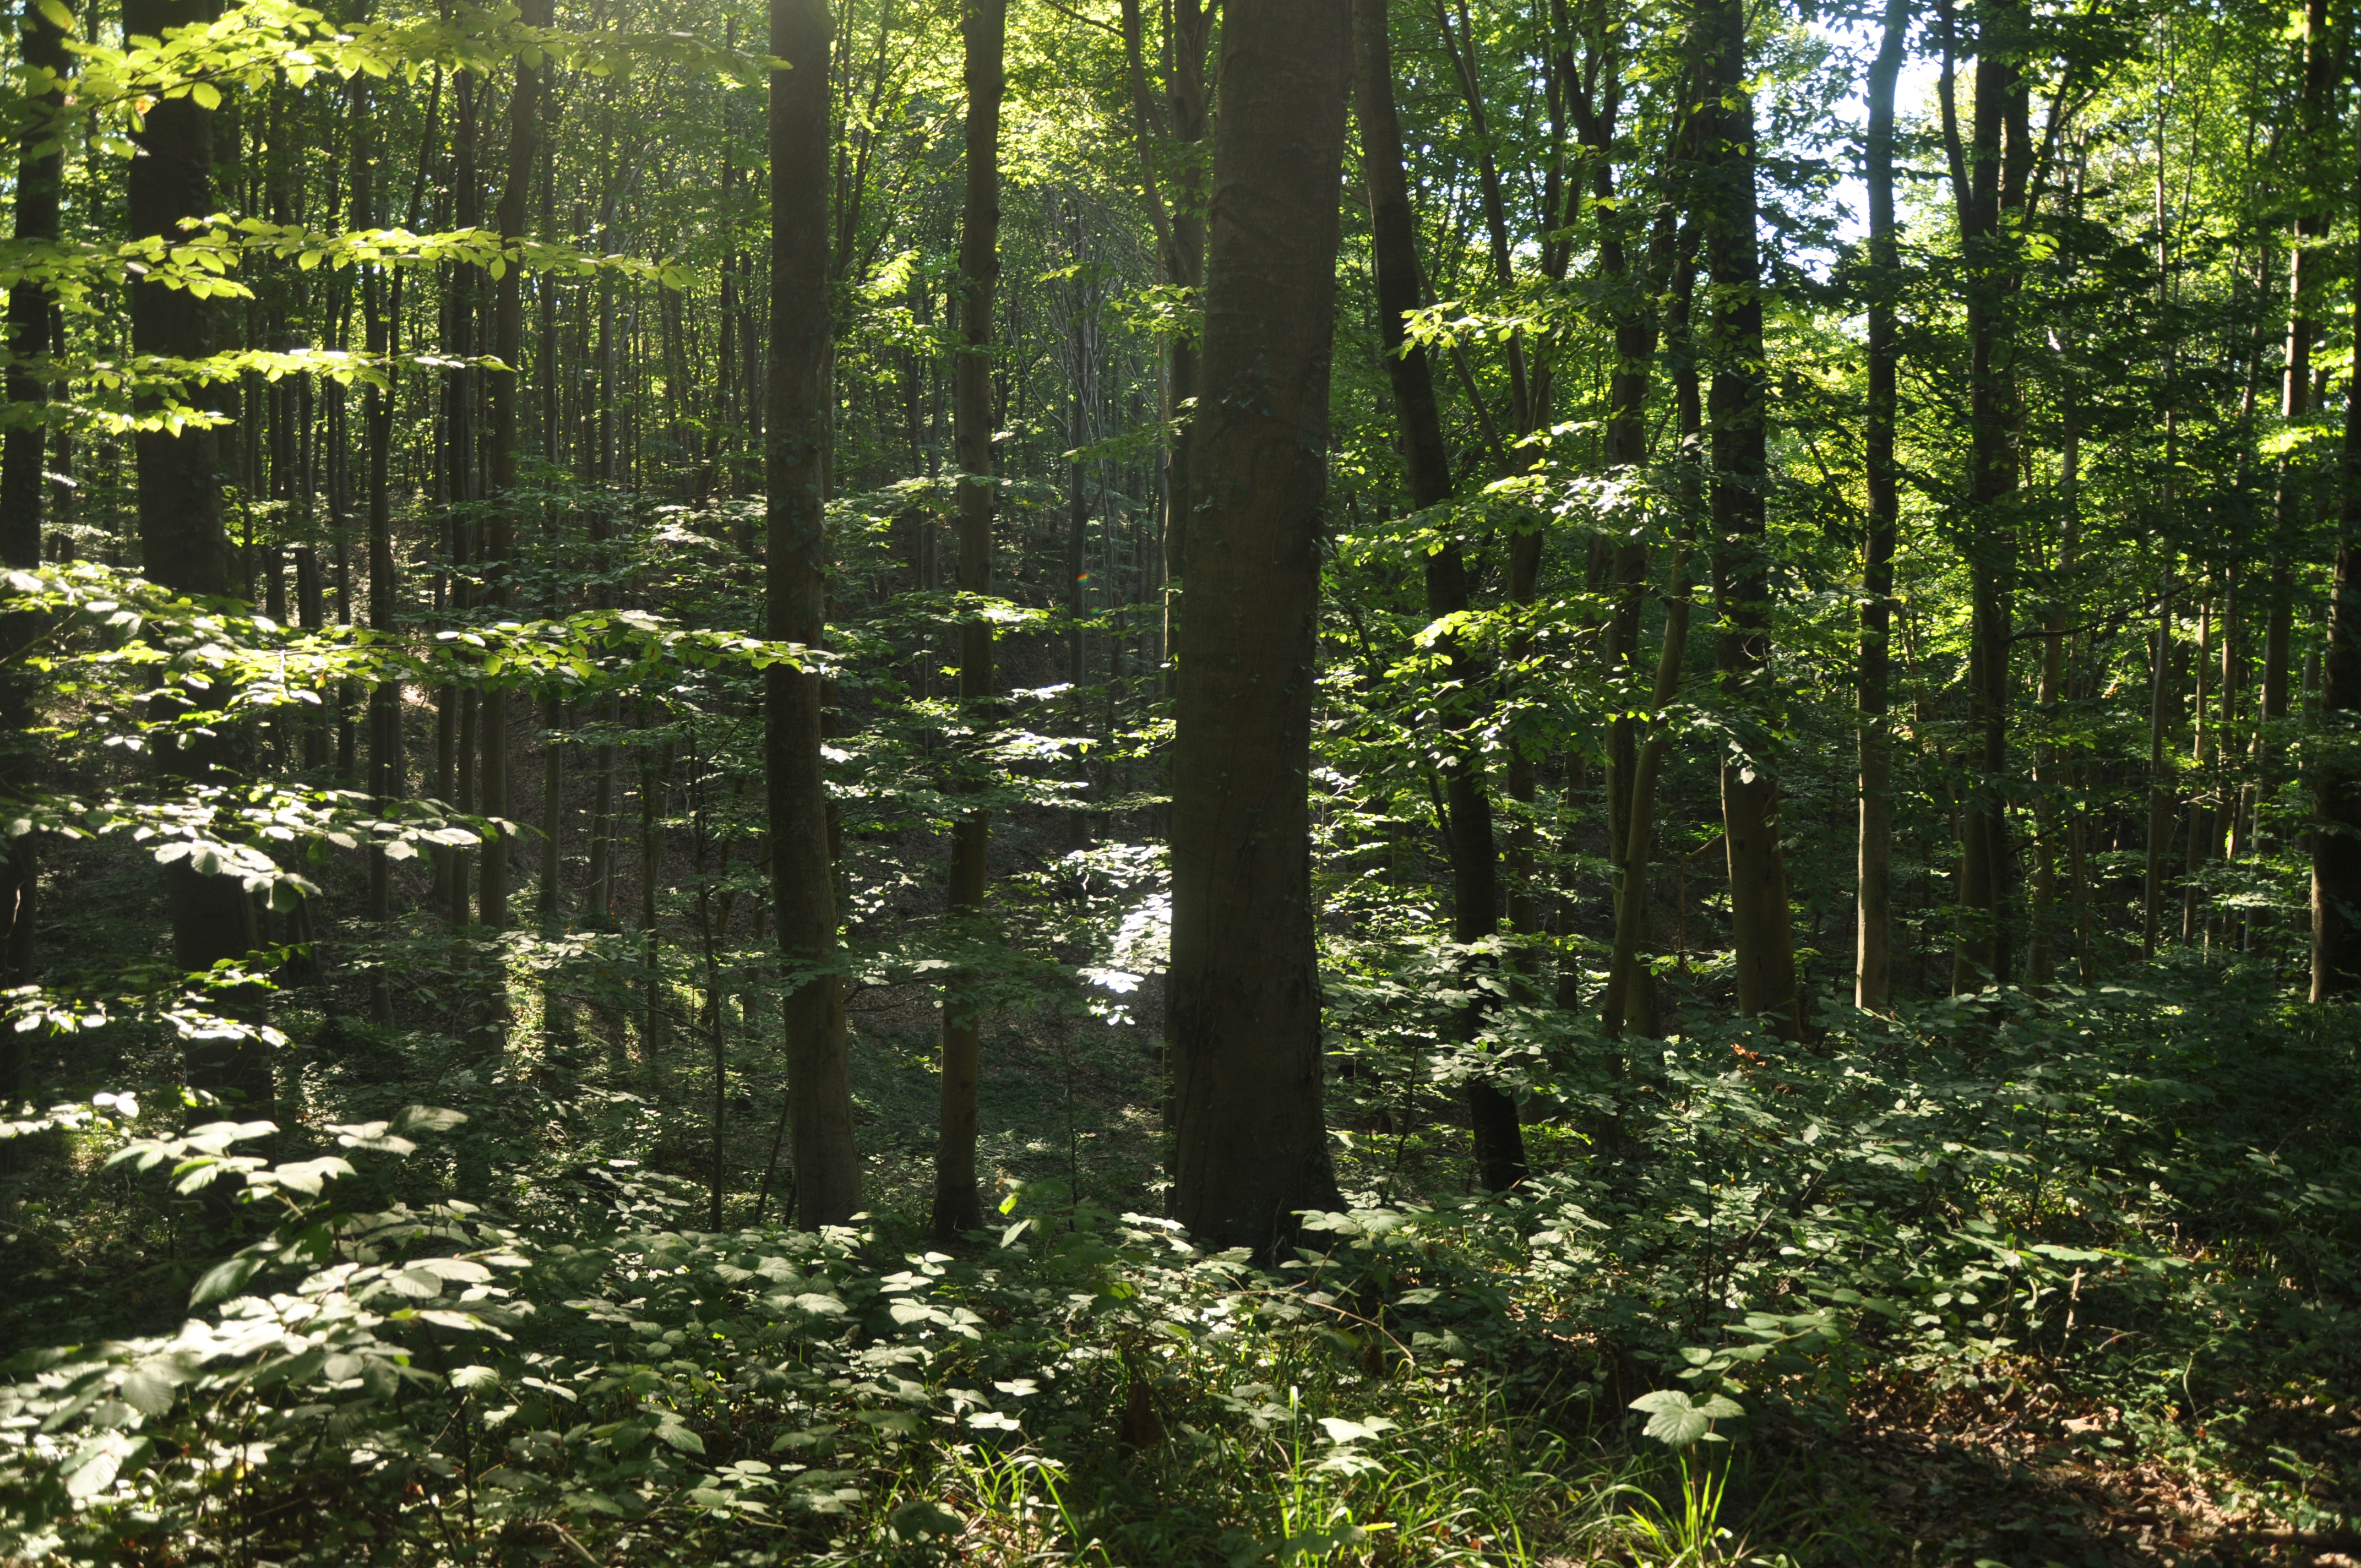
[[2336, 790], [1243, 1013], [181, 538], [1872, 985], [794, 433], [499, 526], [1181, 235], [1998, 168], [1467, 807], [32, 317], [2316, 115], [1737, 407], [984, 30]]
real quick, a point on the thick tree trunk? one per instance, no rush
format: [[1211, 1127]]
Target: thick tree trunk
[[984, 28], [181, 538], [1872, 981], [2001, 163], [1736, 408], [32, 324], [32, 319], [796, 423], [1243, 1011], [41, 166], [1474, 863], [2336, 790]]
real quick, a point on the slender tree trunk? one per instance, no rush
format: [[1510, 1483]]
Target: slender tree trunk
[[385, 742], [2200, 814], [1738, 405], [2159, 791], [794, 433], [2049, 770], [1623, 979], [1872, 985], [1242, 1011], [499, 528], [655, 758], [1181, 252], [552, 810], [1078, 517], [2316, 114], [984, 28], [1474, 862]]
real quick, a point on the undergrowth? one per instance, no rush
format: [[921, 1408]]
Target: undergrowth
[[2111, 1232]]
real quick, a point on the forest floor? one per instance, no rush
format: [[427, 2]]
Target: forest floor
[[2019, 1281]]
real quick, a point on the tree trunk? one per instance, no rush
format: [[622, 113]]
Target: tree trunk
[[1736, 408], [1872, 981], [2050, 773], [1243, 1013], [2159, 790], [819, 1071], [499, 527], [32, 319], [1622, 1003], [2316, 115], [385, 748], [1998, 169], [181, 538], [32, 324], [1189, 25], [1474, 860], [984, 30], [2336, 790]]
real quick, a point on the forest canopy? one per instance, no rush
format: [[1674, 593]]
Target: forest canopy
[[1299, 780]]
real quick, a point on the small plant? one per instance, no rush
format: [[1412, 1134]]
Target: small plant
[[1696, 1537]]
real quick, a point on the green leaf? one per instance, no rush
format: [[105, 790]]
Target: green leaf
[[1676, 1418], [224, 1279], [148, 1387]]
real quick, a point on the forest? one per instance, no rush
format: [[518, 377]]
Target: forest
[[1529, 782]]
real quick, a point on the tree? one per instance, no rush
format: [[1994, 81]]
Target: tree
[[1242, 1006], [1873, 939], [181, 538], [984, 27], [796, 435], [1474, 856], [507, 347], [1736, 408]]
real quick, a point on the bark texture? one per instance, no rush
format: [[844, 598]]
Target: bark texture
[[1467, 806], [1872, 985], [795, 428], [1242, 1011], [984, 28], [181, 539], [1736, 408]]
